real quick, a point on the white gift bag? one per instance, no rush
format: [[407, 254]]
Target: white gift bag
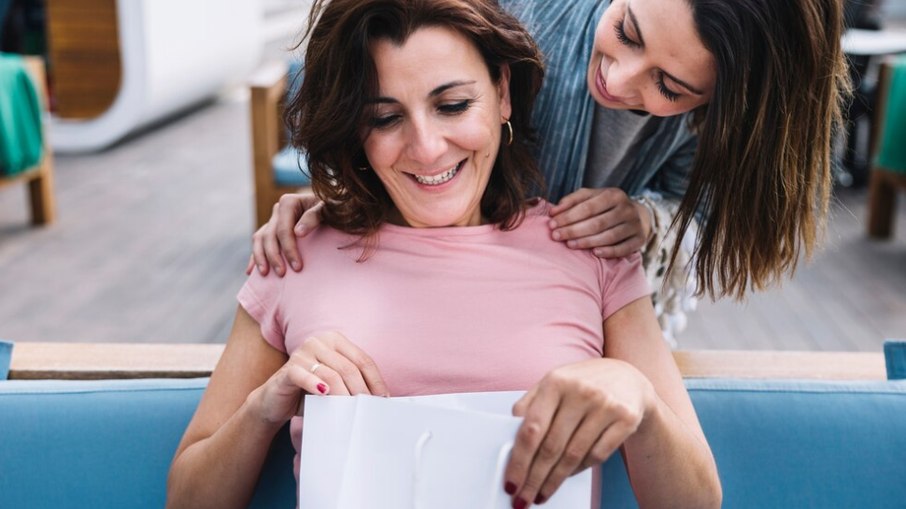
[[445, 451]]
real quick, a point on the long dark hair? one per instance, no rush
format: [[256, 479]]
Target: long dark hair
[[762, 174], [326, 117]]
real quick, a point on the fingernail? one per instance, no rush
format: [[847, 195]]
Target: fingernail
[[509, 488], [571, 244], [519, 504], [322, 388], [300, 229], [552, 224], [556, 235], [540, 499], [296, 266], [261, 269]]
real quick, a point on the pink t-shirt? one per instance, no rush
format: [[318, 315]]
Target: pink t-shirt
[[442, 310]]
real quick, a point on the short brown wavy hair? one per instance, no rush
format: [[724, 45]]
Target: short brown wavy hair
[[328, 114]]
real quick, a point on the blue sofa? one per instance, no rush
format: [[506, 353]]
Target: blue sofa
[[778, 443]]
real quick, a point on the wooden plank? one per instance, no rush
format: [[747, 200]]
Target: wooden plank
[[96, 361], [781, 364], [125, 360], [83, 46]]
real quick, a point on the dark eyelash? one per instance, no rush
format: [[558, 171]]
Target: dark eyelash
[[622, 37], [383, 122], [455, 108], [666, 92]]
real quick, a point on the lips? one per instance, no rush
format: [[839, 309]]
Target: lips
[[602, 89]]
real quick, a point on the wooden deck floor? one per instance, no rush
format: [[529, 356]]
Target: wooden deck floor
[[153, 236]]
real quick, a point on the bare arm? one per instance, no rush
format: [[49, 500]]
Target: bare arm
[[633, 398], [253, 392], [221, 454], [668, 458]]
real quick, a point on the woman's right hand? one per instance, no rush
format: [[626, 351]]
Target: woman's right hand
[[325, 364], [274, 244]]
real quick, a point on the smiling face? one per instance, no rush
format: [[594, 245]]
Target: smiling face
[[648, 56], [436, 127]]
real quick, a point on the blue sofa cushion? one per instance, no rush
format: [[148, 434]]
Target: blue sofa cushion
[[895, 359], [6, 354], [806, 443], [109, 444], [290, 168]]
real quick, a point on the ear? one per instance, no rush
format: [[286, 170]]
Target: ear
[[503, 91]]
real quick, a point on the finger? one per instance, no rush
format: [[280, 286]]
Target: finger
[[251, 265], [593, 206], [287, 211], [330, 376], [522, 405], [258, 253], [529, 437], [589, 236], [307, 381], [589, 203], [571, 200], [550, 451], [271, 245], [574, 453], [347, 371], [625, 248], [612, 438], [366, 367], [310, 219]]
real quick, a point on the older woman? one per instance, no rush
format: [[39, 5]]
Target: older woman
[[721, 111], [415, 115]]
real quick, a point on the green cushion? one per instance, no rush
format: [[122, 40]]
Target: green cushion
[[20, 117], [892, 151]]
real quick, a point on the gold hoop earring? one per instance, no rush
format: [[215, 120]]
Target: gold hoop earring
[[509, 128]]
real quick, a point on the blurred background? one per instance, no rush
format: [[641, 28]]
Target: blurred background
[[147, 194]]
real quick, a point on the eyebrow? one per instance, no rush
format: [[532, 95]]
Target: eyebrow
[[434, 93], [638, 33]]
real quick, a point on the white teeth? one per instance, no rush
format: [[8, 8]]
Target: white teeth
[[436, 180]]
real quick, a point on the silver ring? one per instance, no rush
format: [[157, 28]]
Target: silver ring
[[314, 367]]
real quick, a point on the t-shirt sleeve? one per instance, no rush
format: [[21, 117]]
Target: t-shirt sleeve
[[260, 297], [623, 282]]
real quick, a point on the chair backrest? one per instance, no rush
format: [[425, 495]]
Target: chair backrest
[[890, 120]]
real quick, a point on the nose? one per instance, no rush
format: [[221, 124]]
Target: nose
[[623, 79], [425, 141]]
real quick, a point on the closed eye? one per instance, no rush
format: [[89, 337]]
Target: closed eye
[[622, 37], [384, 122], [668, 94], [455, 108]]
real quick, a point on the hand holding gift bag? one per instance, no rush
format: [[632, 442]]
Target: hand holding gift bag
[[446, 451]]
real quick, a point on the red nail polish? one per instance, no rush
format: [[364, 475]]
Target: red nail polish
[[509, 488], [540, 499], [322, 388], [519, 504]]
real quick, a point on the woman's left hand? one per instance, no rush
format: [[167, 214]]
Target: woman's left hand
[[576, 417], [607, 221]]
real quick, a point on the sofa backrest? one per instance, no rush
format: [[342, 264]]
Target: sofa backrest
[[108, 444]]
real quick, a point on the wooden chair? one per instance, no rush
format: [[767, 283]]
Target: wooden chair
[[275, 166], [40, 177], [888, 124]]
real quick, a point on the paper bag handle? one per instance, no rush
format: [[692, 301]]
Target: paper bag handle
[[496, 486]]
